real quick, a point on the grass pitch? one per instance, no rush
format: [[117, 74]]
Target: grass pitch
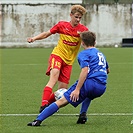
[[21, 84]]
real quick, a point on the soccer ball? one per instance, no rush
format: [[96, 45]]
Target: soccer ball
[[59, 93]]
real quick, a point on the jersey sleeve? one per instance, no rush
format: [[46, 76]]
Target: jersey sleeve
[[55, 28], [82, 61]]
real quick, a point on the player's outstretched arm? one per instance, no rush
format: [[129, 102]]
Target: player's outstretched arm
[[41, 36], [75, 94]]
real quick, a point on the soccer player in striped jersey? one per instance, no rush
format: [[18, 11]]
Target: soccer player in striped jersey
[[64, 54], [91, 83]]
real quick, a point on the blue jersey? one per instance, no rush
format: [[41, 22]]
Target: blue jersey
[[96, 62]]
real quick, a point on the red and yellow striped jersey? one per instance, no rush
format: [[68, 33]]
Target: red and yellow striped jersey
[[69, 40]]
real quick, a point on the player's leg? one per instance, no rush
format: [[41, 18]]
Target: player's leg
[[60, 85], [64, 77], [53, 71], [50, 110], [84, 107], [85, 104], [94, 90], [54, 74], [52, 98]]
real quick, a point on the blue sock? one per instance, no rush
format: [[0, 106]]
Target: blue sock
[[85, 105], [48, 111]]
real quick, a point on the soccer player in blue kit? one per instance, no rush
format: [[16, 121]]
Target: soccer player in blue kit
[[90, 85]]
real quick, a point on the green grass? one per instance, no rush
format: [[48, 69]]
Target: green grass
[[22, 80]]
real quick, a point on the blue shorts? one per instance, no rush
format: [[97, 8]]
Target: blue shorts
[[90, 89]]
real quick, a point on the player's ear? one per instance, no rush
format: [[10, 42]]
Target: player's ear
[[83, 43]]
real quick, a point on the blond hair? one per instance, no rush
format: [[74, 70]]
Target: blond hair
[[78, 8]]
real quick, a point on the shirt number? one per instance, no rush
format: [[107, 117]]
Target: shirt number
[[102, 61]]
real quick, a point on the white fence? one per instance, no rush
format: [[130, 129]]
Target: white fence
[[19, 21]]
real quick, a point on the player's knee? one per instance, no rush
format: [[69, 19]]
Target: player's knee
[[62, 102]]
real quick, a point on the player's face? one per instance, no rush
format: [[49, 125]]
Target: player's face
[[75, 18]]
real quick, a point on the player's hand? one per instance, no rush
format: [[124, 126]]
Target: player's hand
[[74, 95], [30, 40]]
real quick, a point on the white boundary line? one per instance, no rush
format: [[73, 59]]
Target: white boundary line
[[121, 63], [93, 114]]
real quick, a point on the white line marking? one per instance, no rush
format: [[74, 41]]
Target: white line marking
[[24, 64], [93, 114], [120, 63]]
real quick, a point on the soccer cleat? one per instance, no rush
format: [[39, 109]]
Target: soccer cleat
[[43, 107], [34, 123], [82, 118]]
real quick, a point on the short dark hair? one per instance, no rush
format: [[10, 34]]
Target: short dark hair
[[88, 38]]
